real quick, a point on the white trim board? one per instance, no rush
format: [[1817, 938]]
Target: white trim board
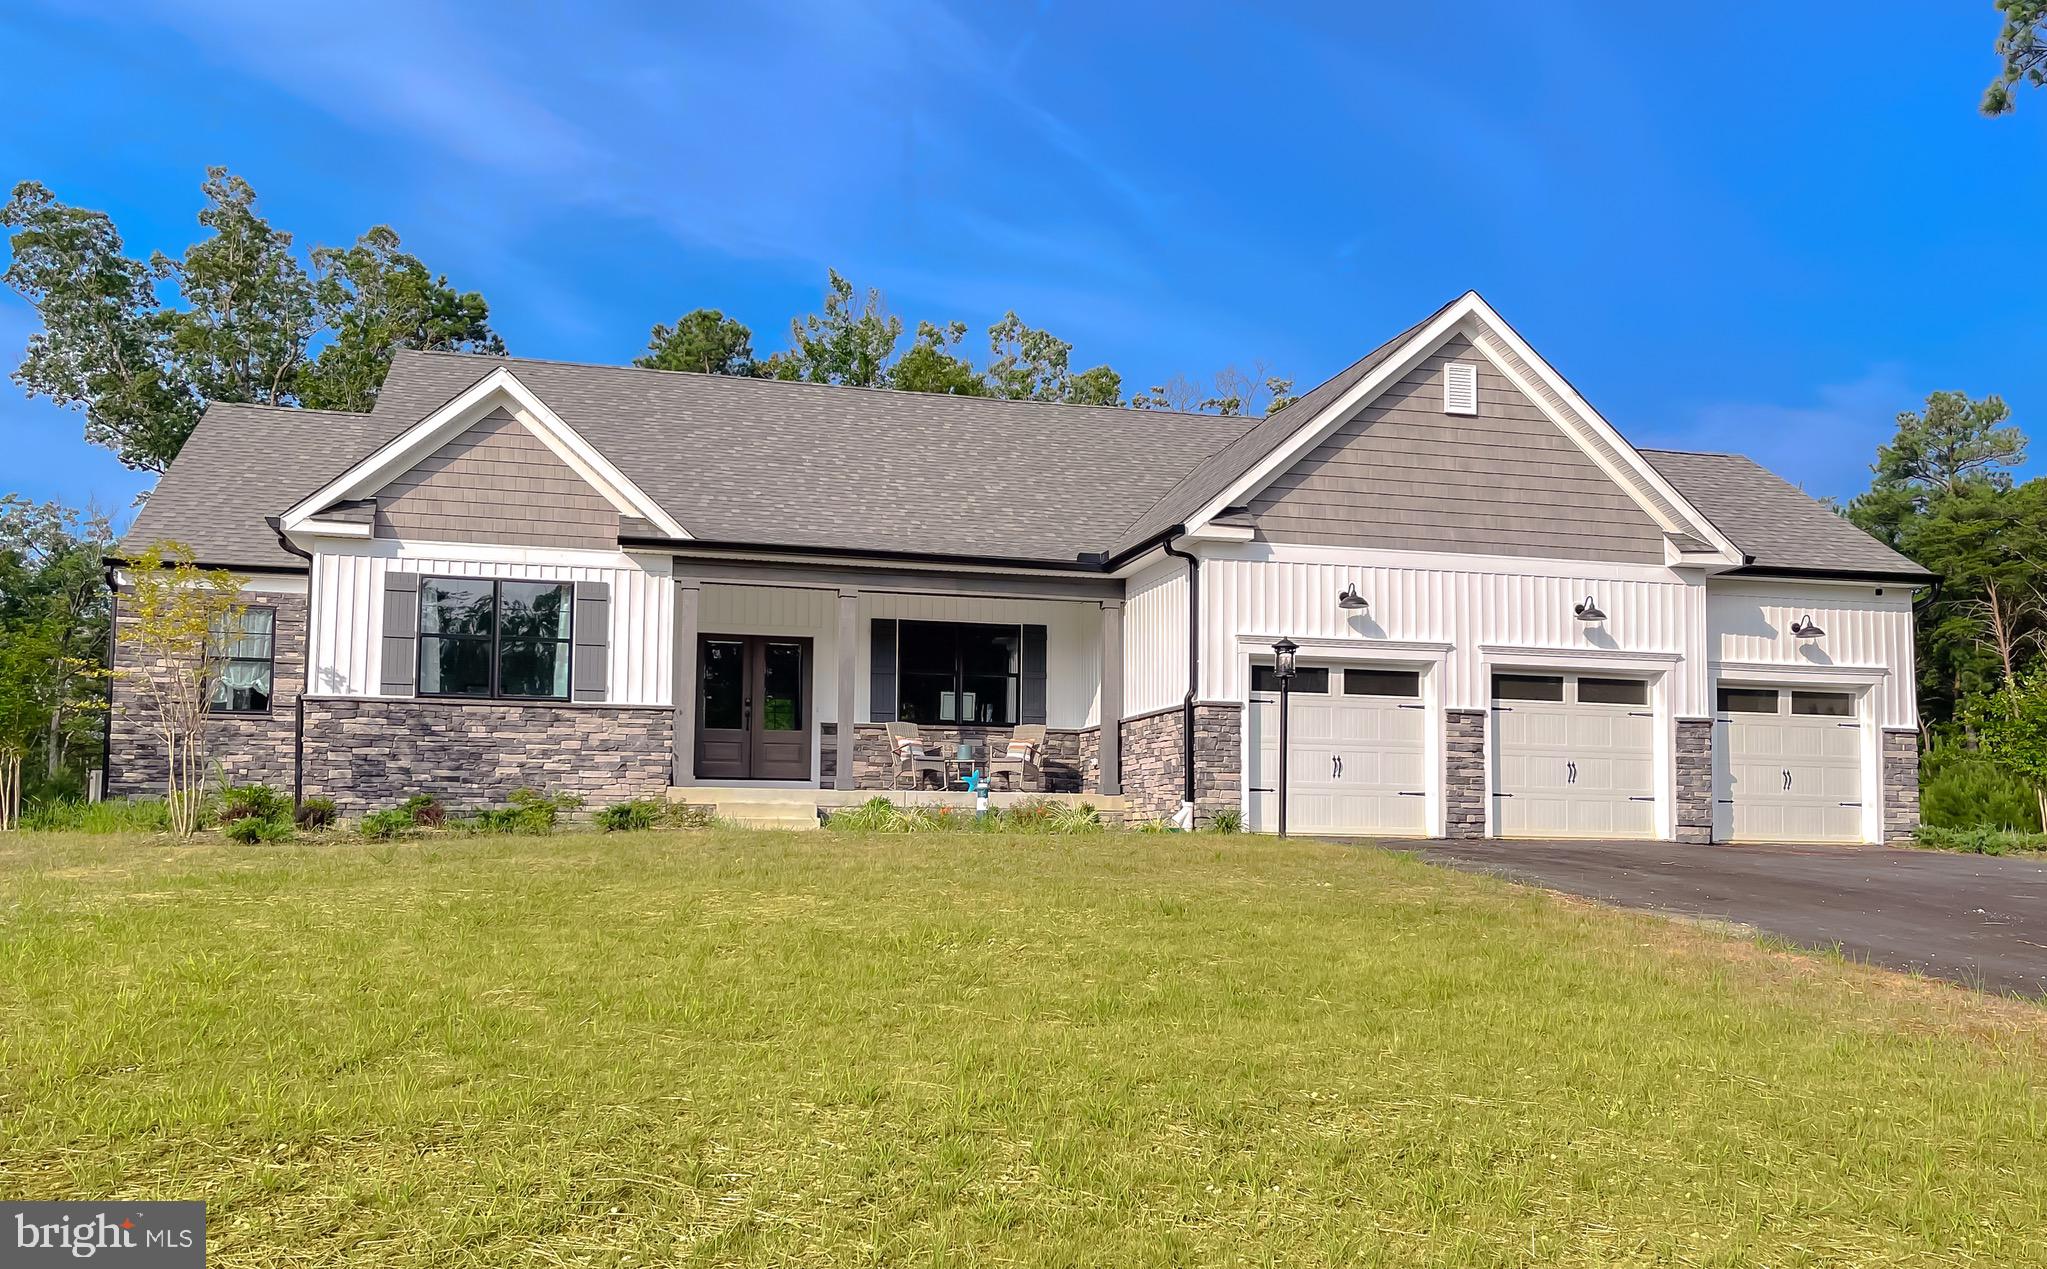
[[1471, 315], [1791, 674], [499, 387]]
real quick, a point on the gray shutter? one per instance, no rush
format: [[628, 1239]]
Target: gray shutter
[[592, 635], [1030, 706], [881, 678], [401, 633]]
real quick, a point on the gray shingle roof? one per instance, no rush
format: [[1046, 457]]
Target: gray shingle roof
[[809, 465], [1773, 522], [243, 463]]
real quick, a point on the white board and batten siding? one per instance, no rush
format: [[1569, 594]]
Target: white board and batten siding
[[347, 582], [1155, 638], [1260, 591], [1750, 633]]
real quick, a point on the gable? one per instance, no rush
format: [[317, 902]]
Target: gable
[[1401, 474], [496, 482]]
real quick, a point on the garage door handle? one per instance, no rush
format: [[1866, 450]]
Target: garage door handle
[[1636, 797], [1787, 780]]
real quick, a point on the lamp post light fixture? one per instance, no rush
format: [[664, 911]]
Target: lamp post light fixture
[[1805, 629], [1283, 670], [1588, 612]]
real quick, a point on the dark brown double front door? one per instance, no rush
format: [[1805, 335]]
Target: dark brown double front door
[[753, 708]]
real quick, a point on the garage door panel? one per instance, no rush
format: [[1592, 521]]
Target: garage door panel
[[1354, 760], [1788, 777], [1574, 769]]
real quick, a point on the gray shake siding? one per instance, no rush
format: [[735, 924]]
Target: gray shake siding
[[496, 483], [1404, 475], [248, 748]]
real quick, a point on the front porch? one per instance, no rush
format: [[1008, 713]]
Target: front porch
[[804, 809], [770, 658]]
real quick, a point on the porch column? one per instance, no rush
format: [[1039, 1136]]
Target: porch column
[[849, 641], [1111, 742], [682, 767]]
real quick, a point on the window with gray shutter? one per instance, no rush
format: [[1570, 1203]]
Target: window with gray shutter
[[592, 635], [1031, 677], [881, 679], [401, 634]]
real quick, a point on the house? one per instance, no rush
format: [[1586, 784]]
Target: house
[[623, 582]]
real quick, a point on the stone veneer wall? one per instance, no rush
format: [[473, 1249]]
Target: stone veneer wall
[[1901, 785], [370, 754], [1695, 780], [250, 748], [1464, 777], [1063, 765], [1153, 777]]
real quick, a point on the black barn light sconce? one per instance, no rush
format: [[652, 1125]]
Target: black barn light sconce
[[1349, 599], [1588, 612], [1804, 628]]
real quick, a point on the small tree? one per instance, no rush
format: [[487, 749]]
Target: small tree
[[2012, 726], [176, 607]]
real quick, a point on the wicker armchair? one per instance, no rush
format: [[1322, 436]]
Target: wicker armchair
[[912, 757], [1020, 757]]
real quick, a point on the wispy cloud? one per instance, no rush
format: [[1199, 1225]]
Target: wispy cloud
[[1825, 445]]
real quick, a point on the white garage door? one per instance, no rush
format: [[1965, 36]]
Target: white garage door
[[1787, 766], [1576, 756], [1357, 738]]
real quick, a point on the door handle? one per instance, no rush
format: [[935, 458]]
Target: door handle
[[1787, 779]]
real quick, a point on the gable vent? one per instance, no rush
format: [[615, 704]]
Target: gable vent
[[1460, 388]]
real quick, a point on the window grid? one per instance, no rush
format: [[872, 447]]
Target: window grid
[[495, 642]]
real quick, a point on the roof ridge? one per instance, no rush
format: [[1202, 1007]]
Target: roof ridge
[[1696, 453], [828, 387], [287, 409]]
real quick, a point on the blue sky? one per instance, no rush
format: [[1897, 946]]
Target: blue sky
[[1764, 230]]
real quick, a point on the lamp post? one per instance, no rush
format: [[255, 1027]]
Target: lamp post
[[1283, 670]]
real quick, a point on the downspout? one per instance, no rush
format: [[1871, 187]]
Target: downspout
[[1185, 819], [298, 703]]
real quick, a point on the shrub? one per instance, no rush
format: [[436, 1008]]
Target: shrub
[[525, 811], [112, 816], [875, 815], [316, 813], [384, 825], [250, 801], [1227, 820], [425, 810], [1075, 817], [1963, 788], [682, 815], [640, 813], [1153, 826], [249, 830], [1980, 841], [1030, 815]]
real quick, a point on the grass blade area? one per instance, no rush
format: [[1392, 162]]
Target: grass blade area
[[823, 1048]]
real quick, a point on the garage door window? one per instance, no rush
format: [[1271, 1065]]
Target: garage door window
[[1313, 679], [1406, 683], [1748, 700], [1527, 687], [1824, 704], [1613, 691]]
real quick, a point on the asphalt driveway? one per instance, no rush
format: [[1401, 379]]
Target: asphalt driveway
[[1975, 919]]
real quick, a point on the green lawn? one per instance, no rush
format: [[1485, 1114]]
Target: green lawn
[[950, 1048]]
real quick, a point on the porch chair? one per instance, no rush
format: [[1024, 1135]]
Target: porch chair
[[1020, 756], [912, 757]]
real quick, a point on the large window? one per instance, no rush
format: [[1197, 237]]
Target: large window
[[480, 637], [957, 672], [245, 650]]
